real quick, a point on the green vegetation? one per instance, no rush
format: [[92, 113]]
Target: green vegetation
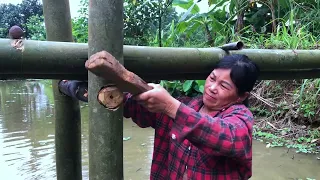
[[287, 112]]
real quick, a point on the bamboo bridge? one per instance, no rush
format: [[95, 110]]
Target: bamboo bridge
[[60, 58]]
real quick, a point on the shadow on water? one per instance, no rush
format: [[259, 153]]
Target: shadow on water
[[27, 141]]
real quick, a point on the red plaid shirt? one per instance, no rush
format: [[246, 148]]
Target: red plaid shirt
[[216, 146]]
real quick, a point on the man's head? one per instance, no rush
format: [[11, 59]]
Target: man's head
[[230, 82]]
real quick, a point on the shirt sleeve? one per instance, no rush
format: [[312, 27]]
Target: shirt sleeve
[[139, 115], [221, 136]]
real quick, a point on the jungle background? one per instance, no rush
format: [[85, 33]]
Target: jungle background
[[287, 111]]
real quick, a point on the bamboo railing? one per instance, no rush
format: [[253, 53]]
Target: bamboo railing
[[57, 60]]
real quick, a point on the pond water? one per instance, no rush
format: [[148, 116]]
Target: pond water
[[27, 149]]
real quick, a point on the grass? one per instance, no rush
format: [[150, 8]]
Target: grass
[[306, 143]]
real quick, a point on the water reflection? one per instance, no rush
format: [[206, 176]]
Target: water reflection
[[27, 131], [27, 149]]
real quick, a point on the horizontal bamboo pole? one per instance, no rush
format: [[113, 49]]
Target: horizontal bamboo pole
[[273, 75], [51, 60], [42, 57]]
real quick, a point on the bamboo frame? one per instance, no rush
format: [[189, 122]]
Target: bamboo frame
[[55, 60], [105, 126], [67, 111]]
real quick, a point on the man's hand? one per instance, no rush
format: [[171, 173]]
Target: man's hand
[[159, 100]]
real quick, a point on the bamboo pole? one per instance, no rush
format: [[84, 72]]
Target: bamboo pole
[[42, 57], [67, 111], [65, 59], [105, 126], [265, 75]]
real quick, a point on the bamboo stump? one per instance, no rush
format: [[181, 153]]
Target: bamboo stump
[[110, 97], [103, 64]]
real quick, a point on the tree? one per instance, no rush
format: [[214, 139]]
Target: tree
[[18, 15], [140, 21], [80, 23], [9, 17], [36, 28]]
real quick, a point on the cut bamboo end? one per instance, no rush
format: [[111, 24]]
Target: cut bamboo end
[[110, 97]]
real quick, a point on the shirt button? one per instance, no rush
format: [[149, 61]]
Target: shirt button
[[173, 136]]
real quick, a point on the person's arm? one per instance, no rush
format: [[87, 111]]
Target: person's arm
[[228, 136], [140, 115]]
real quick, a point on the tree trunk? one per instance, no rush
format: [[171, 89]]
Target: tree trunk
[[240, 22], [160, 23], [240, 16], [273, 16], [209, 36]]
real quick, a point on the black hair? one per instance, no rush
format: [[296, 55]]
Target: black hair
[[244, 72]]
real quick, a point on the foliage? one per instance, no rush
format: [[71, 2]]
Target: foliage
[[36, 27], [18, 15], [188, 87], [139, 21], [9, 17], [303, 143], [298, 106], [80, 23]]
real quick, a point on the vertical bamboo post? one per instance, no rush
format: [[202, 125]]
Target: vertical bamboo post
[[67, 112], [105, 127]]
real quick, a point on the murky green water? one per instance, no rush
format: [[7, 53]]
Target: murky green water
[[27, 148]]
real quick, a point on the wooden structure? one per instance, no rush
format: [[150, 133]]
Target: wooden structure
[[67, 111], [59, 58], [105, 126]]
